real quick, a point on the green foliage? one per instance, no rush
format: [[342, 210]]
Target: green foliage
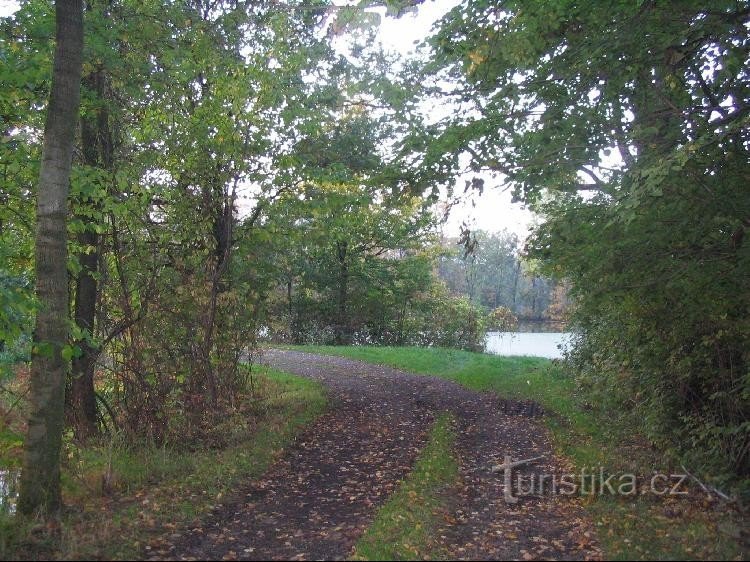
[[502, 320], [367, 258], [221, 151], [439, 319], [181, 104], [634, 147], [349, 243], [236, 176], [16, 310], [25, 51]]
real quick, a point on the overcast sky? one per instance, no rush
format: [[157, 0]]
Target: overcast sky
[[494, 210]]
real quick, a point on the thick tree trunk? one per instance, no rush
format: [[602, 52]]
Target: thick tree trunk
[[40, 478]]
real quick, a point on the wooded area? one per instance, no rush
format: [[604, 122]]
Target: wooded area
[[233, 175]]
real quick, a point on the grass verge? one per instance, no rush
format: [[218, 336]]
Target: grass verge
[[641, 528], [158, 490], [404, 527]]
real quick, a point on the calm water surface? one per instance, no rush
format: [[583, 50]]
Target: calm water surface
[[537, 344]]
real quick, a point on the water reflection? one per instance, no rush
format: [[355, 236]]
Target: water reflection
[[537, 344], [8, 491]]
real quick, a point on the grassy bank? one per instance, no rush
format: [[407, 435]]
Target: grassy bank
[[121, 500], [645, 527], [404, 527]]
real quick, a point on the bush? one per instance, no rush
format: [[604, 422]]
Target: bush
[[443, 320], [502, 320]]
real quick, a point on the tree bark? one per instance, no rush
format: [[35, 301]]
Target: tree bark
[[40, 478], [223, 226], [83, 398], [343, 336], [96, 147], [516, 275]]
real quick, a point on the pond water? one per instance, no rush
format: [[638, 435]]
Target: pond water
[[8, 490], [536, 344]]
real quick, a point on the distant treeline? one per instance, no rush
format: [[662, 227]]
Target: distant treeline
[[494, 274]]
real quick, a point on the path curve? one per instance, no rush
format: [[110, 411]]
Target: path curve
[[318, 499]]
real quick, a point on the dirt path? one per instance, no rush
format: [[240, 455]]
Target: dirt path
[[317, 500]]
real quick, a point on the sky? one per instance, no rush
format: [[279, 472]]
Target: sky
[[494, 209]]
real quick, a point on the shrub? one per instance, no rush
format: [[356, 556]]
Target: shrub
[[502, 320]]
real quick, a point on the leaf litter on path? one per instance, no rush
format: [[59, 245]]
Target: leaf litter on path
[[319, 498]]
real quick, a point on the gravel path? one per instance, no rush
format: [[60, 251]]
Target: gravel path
[[316, 501]]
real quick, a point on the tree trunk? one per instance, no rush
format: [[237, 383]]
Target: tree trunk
[[96, 146], [343, 336], [40, 478], [293, 335], [516, 275], [223, 217], [83, 398]]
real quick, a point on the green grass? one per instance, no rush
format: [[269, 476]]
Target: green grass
[[644, 528], [161, 489], [404, 527]]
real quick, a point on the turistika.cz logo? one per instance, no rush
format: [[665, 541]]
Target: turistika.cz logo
[[586, 482]]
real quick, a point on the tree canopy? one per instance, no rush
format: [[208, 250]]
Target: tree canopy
[[627, 129]]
